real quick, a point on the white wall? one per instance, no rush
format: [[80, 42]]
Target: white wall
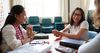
[[5, 10]]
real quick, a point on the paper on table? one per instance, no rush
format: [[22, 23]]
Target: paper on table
[[28, 48]]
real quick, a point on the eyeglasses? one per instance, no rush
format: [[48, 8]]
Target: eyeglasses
[[77, 14]]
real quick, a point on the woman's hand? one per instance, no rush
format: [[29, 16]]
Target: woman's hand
[[30, 32], [55, 32], [25, 40]]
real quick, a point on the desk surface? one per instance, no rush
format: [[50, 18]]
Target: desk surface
[[38, 46]]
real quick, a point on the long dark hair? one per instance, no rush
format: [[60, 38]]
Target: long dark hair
[[82, 14], [11, 19], [15, 10]]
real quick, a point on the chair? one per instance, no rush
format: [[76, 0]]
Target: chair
[[58, 23], [91, 34], [90, 21], [46, 25], [34, 20]]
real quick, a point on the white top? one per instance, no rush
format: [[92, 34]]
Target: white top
[[91, 47], [9, 38], [75, 30]]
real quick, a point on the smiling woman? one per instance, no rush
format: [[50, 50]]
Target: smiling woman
[[77, 26], [77, 29]]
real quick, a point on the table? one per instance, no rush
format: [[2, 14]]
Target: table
[[36, 47]]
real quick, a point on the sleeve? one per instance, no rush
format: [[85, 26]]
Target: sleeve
[[68, 26], [9, 35], [23, 30], [84, 25], [91, 47]]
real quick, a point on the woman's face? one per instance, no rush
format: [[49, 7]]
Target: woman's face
[[77, 16], [21, 18]]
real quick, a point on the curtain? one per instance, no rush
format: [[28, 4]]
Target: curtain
[[64, 10], [18, 2], [85, 6], [42, 8]]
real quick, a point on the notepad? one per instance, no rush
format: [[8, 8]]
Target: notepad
[[41, 36]]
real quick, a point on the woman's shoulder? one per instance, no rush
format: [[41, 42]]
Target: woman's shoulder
[[9, 27], [68, 26], [85, 22], [8, 30]]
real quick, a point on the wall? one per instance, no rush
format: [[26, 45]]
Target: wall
[[5, 7]]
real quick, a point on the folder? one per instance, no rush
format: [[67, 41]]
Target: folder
[[41, 36], [72, 43]]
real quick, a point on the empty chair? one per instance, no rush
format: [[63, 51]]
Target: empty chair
[[58, 23], [91, 34], [90, 21], [34, 20], [46, 25]]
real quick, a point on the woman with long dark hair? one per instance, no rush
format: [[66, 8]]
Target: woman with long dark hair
[[12, 32], [77, 29]]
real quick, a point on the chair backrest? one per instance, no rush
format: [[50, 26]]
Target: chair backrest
[[33, 20], [46, 22], [58, 19], [90, 21], [92, 34], [90, 16]]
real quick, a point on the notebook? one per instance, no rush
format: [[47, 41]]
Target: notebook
[[41, 36], [72, 43]]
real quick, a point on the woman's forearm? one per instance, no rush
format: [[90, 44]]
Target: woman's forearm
[[26, 40], [73, 36]]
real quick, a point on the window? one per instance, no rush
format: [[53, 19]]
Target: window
[[42, 8], [91, 5]]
